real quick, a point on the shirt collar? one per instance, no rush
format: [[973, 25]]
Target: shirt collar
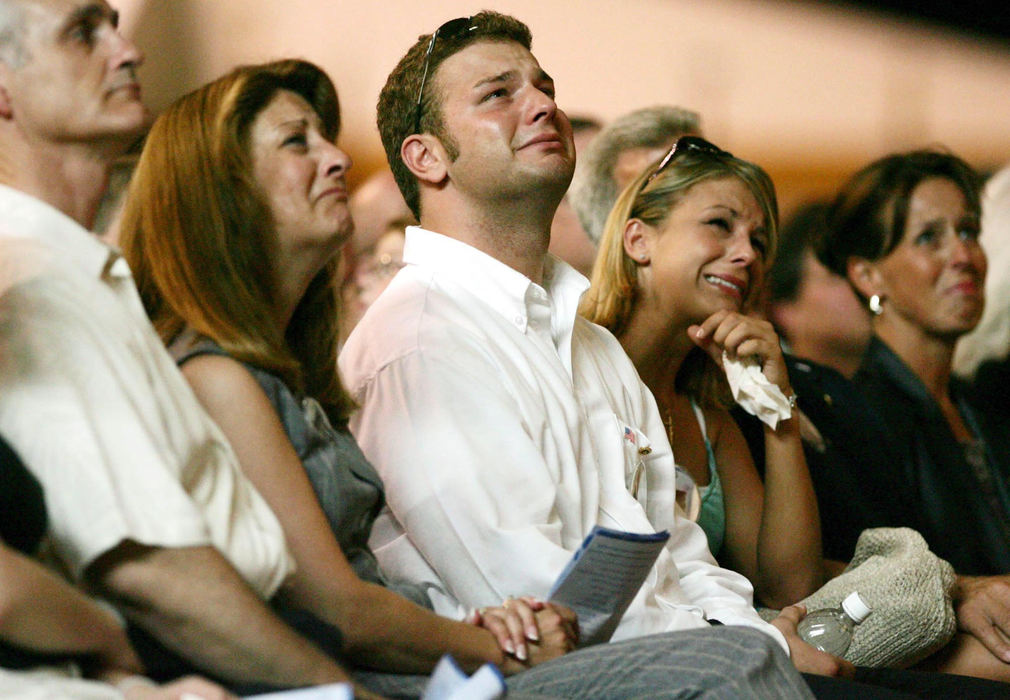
[[881, 359], [508, 292], [25, 216]]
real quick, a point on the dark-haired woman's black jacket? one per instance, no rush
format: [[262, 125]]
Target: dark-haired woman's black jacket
[[958, 497]]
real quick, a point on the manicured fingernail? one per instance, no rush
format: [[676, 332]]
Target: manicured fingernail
[[532, 634], [521, 652], [509, 646]]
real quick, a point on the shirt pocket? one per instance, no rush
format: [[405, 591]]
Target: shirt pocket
[[639, 461]]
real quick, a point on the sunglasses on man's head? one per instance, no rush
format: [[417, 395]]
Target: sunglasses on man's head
[[686, 144], [450, 30]]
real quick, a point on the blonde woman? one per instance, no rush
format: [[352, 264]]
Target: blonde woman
[[681, 263]]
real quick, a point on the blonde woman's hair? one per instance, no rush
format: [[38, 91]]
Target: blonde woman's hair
[[615, 288], [199, 236]]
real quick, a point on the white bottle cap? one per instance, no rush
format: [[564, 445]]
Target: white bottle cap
[[855, 607]]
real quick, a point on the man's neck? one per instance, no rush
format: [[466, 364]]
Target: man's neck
[[71, 178], [516, 234]]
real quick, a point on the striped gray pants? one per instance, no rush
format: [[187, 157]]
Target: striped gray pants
[[721, 662]]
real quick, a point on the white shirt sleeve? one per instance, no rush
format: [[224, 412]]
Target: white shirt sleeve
[[75, 410], [98, 411]]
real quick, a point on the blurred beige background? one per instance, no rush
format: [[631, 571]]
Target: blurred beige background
[[808, 90]]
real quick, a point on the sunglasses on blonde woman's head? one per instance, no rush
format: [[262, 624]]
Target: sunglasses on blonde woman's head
[[686, 144], [450, 30]]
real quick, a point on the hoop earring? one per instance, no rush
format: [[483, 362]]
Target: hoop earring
[[876, 305]]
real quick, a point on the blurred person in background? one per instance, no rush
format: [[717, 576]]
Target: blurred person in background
[[982, 355], [378, 211], [819, 316], [568, 239], [618, 154], [373, 270], [825, 329]]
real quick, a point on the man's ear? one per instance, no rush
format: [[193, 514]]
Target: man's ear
[[637, 242], [865, 277], [424, 156]]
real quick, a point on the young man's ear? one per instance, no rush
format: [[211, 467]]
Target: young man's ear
[[424, 156], [637, 242]]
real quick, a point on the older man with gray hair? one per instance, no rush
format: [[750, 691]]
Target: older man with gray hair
[[620, 152], [147, 503]]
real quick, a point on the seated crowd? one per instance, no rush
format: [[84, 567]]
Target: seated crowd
[[246, 449]]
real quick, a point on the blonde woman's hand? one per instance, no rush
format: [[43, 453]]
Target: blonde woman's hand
[[742, 336]]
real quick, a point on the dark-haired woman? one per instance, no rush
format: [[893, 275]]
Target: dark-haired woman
[[904, 230]]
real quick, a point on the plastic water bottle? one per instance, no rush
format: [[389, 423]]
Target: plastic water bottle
[[830, 630]]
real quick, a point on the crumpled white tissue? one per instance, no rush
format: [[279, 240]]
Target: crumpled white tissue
[[755, 394]]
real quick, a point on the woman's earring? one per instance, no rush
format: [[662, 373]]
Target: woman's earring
[[876, 305]]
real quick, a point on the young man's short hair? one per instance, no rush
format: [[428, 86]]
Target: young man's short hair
[[397, 107]]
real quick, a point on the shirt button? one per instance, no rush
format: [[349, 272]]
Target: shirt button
[[519, 320]]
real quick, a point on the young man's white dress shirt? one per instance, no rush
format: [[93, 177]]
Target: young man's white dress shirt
[[505, 427]]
